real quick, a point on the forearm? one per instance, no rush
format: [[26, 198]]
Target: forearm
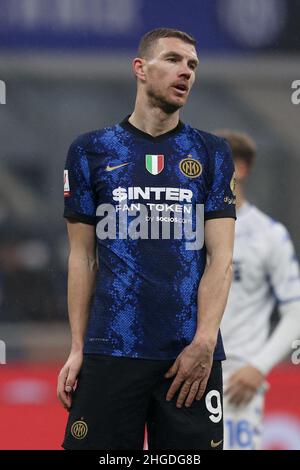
[[212, 297], [81, 281]]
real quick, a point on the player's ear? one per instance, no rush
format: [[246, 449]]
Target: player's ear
[[242, 169], [138, 67]]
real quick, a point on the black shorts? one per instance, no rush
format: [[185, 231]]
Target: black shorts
[[116, 396]]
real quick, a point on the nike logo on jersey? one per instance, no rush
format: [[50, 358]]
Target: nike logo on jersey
[[111, 168], [215, 444]]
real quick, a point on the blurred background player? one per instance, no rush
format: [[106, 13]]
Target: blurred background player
[[266, 274]]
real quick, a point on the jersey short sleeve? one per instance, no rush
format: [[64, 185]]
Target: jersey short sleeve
[[79, 199], [220, 201]]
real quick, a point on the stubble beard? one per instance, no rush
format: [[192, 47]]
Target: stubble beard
[[159, 101]]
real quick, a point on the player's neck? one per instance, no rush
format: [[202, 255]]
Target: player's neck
[[153, 120]]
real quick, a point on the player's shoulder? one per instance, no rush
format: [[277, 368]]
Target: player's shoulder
[[89, 141], [269, 227], [212, 141]]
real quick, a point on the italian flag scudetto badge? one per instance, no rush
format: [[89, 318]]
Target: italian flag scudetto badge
[[154, 164]]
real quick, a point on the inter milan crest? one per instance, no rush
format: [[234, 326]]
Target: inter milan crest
[[79, 429], [155, 164], [190, 167]]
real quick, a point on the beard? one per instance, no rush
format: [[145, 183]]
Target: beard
[[157, 100]]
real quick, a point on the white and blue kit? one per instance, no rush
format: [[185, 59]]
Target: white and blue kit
[[266, 274]]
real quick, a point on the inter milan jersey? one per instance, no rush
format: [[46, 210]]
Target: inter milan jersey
[[148, 198]]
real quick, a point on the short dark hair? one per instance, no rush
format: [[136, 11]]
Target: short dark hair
[[149, 39], [242, 145]]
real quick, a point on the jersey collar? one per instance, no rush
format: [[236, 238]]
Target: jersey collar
[[134, 130]]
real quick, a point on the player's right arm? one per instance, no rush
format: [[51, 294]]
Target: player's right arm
[[81, 281], [284, 277], [79, 211]]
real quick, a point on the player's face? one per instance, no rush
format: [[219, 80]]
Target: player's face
[[170, 73]]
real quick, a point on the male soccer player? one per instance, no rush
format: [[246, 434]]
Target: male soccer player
[[266, 273], [145, 325]]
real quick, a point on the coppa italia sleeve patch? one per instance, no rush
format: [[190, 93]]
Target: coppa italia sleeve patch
[[66, 184]]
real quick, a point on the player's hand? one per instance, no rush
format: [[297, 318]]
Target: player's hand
[[67, 378], [243, 384], [192, 368]]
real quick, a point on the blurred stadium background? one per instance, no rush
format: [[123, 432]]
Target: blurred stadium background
[[66, 66]]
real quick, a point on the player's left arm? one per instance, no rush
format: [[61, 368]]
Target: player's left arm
[[192, 367], [283, 271]]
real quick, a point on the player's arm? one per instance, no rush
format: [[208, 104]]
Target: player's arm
[[81, 280], [192, 367], [216, 280], [245, 382], [284, 275], [283, 272]]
